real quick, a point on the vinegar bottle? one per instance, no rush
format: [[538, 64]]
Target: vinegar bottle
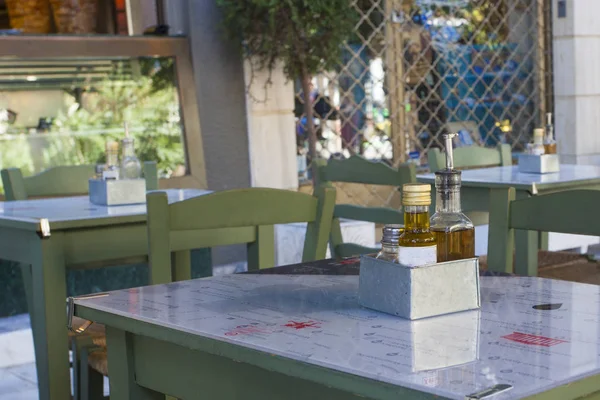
[[453, 230]]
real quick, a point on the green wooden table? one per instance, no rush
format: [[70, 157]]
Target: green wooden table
[[51, 235], [293, 335], [475, 196]]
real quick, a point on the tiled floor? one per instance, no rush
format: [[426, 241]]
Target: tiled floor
[[20, 383], [18, 378]]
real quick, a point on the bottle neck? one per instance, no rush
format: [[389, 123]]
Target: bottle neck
[[447, 200], [416, 218], [127, 149], [389, 248]]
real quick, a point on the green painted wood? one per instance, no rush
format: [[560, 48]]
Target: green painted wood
[[500, 235], [238, 216], [318, 230], [151, 175], [123, 384], [50, 319], [63, 180], [13, 183], [357, 169], [261, 252], [217, 377], [159, 240], [378, 215], [336, 238], [181, 363], [471, 156], [182, 265], [243, 207], [573, 211]]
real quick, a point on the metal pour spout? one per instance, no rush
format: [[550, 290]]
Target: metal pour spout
[[449, 152]]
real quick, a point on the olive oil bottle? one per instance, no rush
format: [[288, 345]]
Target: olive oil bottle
[[453, 230], [416, 245]]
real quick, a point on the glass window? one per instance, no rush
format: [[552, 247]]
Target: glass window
[[62, 111]]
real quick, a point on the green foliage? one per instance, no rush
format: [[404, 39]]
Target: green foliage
[[306, 35]]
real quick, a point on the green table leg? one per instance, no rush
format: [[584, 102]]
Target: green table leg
[[122, 368], [526, 248], [543, 238], [49, 317], [27, 283]]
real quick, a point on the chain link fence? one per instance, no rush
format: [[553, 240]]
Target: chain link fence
[[414, 69]]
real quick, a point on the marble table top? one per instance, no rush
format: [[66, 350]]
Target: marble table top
[[62, 209], [532, 334], [510, 176]]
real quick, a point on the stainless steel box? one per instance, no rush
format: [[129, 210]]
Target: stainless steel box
[[445, 341], [419, 292], [544, 164], [114, 192]]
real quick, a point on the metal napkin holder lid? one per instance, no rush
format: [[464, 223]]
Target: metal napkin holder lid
[[539, 164], [117, 192], [419, 292]]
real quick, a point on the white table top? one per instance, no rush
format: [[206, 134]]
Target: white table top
[[510, 176], [317, 320], [62, 209]]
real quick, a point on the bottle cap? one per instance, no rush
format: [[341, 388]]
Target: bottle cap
[[391, 234], [416, 194]]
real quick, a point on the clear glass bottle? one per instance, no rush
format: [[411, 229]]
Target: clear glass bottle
[[131, 168], [453, 230], [549, 141], [416, 245], [389, 243]]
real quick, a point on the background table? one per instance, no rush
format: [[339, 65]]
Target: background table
[[475, 196], [52, 235], [298, 337]]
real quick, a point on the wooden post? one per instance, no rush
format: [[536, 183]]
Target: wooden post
[[395, 79]]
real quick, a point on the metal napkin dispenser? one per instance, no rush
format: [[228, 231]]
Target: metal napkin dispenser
[[419, 292], [117, 192], [534, 164]]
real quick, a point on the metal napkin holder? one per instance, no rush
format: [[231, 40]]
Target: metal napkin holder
[[117, 192], [534, 164], [419, 292]]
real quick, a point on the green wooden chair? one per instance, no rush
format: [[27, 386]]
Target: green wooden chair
[[225, 218], [572, 211], [60, 181], [357, 169]]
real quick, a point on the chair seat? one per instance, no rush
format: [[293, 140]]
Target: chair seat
[[98, 360], [96, 331], [564, 266]]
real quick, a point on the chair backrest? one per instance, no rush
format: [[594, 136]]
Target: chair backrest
[[357, 169], [234, 217], [59, 181], [573, 211], [471, 156]]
